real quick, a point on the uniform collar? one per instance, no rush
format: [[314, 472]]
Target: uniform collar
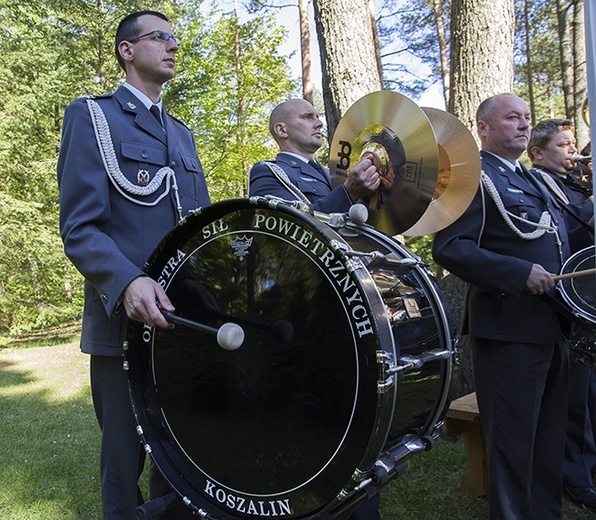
[[143, 98]]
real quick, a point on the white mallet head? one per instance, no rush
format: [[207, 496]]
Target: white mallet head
[[358, 214], [230, 336]]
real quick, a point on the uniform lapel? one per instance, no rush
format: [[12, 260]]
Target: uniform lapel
[[173, 133], [509, 177], [143, 118], [306, 171]]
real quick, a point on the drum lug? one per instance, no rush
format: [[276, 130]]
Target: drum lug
[[386, 361], [352, 258]]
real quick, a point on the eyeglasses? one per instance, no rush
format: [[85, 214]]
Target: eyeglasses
[[158, 35]]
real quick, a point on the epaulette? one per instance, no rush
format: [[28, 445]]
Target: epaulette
[[84, 97]]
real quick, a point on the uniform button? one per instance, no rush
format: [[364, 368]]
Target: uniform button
[[144, 155], [173, 164], [104, 298]]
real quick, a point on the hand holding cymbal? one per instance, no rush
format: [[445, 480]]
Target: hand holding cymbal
[[362, 180], [386, 176]]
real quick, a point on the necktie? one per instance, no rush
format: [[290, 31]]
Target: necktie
[[156, 113], [317, 166]]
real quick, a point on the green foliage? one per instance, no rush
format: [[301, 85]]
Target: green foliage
[[546, 70], [408, 34], [231, 78], [421, 246]]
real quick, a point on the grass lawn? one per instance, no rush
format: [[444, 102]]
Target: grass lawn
[[49, 449]]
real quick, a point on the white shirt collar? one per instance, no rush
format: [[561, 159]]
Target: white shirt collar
[[511, 165], [303, 159]]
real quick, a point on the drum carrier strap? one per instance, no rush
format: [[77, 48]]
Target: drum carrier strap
[[110, 161]]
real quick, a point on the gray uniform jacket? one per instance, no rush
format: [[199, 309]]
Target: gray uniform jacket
[[315, 184], [108, 230]]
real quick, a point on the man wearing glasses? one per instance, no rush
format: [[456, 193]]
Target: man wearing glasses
[[127, 173]]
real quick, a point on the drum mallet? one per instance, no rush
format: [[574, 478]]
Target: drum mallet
[[230, 336], [586, 272]]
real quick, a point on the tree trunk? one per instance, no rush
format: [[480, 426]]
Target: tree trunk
[[443, 44], [375, 32], [481, 66], [481, 54], [565, 53], [529, 74], [307, 87], [580, 75], [348, 59]]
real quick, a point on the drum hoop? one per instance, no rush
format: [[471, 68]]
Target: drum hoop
[[224, 208], [575, 261]]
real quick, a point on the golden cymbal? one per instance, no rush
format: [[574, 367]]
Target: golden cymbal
[[459, 173], [397, 131]]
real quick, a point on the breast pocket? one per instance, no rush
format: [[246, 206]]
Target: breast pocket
[[143, 154], [192, 179], [523, 210], [140, 165], [312, 188], [191, 164]]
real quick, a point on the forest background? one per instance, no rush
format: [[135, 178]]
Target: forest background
[[231, 73]]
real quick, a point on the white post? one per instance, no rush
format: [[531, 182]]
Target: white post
[[590, 24]]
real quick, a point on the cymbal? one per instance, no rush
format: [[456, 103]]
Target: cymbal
[[459, 173], [395, 129]]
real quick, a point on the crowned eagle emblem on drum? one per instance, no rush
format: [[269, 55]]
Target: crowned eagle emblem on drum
[[240, 246]]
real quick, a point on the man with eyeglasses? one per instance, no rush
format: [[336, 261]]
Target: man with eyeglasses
[[127, 173]]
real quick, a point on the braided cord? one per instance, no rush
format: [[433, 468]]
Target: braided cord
[[119, 180], [285, 180], [554, 187], [544, 225]]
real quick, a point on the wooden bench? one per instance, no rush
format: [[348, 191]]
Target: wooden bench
[[463, 419]]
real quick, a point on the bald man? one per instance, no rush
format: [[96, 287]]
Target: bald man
[[295, 174]]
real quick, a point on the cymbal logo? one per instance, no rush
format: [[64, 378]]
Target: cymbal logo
[[344, 155]]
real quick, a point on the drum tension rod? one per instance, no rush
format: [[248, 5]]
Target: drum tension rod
[[416, 362], [390, 465], [377, 259]]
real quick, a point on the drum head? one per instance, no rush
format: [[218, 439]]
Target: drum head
[[579, 292], [278, 426]]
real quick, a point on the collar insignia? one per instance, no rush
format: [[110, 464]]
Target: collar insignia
[[131, 105]]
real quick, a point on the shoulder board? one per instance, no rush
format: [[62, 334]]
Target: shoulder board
[[95, 96], [85, 97]]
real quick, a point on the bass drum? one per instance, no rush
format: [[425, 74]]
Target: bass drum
[[579, 294], [330, 378]]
